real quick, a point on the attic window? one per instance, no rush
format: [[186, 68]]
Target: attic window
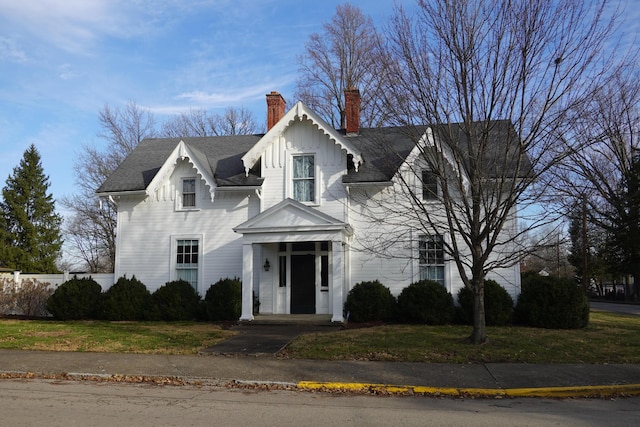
[[188, 192]]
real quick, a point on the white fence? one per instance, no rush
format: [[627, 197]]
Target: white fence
[[105, 280]]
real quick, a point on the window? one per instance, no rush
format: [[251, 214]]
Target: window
[[189, 193], [431, 258], [304, 187], [429, 185], [187, 261]]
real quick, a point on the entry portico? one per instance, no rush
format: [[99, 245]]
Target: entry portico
[[295, 256]]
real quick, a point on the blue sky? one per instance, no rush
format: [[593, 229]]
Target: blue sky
[[61, 61]]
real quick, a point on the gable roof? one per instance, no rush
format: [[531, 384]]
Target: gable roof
[[219, 157], [300, 112]]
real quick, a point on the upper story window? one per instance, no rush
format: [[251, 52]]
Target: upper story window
[[431, 258], [429, 185], [188, 193], [304, 183]]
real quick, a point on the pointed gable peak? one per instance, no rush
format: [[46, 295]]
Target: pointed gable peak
[[299, 112]]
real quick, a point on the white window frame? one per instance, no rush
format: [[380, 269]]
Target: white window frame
[[425, 239], [181, 194], [175, 239], [316, 171]]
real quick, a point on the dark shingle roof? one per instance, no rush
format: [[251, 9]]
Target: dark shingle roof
[[383, 151], [221, 155]]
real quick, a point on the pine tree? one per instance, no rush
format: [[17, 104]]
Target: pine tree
[[31, 236]]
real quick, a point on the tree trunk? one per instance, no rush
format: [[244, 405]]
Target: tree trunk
[[479, 334]]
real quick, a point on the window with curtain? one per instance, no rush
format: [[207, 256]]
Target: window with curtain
[[188, 193], [431, 258], [304, 188]]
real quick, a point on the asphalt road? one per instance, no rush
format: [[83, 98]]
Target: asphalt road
[[616, 308], [71, 403]]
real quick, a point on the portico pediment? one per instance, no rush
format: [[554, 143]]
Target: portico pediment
[[291, 216]]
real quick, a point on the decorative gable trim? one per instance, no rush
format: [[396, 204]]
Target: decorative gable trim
[[299, 112], [184, 152]]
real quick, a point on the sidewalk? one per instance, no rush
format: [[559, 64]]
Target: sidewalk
[[432, 379]]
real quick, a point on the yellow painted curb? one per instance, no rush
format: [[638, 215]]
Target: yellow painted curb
[[578, 391]]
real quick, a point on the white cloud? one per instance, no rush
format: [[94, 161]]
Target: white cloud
[[11, 51]]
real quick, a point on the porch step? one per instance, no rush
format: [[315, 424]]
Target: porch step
[[293, 319]]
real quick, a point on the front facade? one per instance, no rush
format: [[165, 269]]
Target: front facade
[[292, 213]]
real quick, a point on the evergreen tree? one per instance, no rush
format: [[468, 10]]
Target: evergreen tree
[[31, 236]]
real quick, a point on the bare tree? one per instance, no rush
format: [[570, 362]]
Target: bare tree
[[341, 57], [494, 80], [93, 225], [605, 174], [199, 122]]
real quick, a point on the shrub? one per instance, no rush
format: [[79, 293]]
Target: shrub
[[7, 296], [176, 300], [370, 302], [548, 302], [223, 300], [498, 305], [75, 299], [127, 299], [31, 298], [426, 302]]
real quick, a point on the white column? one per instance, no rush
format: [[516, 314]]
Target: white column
[[337, 286], [247, 282]]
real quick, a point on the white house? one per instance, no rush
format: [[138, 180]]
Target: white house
[[289, 212]]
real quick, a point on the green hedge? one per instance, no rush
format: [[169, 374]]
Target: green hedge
[[75, 299], [127, 299], [370, 301], [426, 302], [549, 302], [498, 305], [176, 300], [223, 300]]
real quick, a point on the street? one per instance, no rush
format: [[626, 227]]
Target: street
[[616, 307], [38, 402]]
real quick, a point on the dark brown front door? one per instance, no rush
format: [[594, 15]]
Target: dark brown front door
[[303, 284]]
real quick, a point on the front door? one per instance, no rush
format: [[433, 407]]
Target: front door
[[303, 284]]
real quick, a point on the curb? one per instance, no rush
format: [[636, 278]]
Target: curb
[[557, 392]]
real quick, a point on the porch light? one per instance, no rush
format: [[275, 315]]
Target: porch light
[[266, 265]]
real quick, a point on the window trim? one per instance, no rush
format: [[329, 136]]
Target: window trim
[[173, 274], [181, 194], [315, 178]]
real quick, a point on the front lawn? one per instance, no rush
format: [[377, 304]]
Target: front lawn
[[110, 337], [609, 338]]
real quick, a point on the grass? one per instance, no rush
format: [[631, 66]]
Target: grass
[[110, 337], [609, 338]]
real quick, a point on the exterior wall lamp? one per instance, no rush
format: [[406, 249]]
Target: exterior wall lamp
[[267, 265]]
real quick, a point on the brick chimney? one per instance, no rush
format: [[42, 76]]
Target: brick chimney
[[352, 110], [276, 106]]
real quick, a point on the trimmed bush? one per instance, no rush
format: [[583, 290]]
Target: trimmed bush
[[498, 305], [549, 302], [223, 300], [176, 300], [75, 299], [127, 299], [426, 302], [370, 302]]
